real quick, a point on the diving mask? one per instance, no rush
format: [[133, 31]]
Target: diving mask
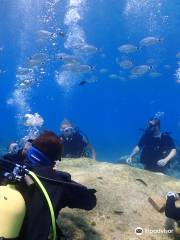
[[68, 131]]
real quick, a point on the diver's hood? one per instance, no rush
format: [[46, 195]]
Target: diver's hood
[[36, 157]]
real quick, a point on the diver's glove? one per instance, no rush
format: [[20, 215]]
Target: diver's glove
[[172, 194]]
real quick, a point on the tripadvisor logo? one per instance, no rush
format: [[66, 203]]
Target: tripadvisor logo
[[139, 231]]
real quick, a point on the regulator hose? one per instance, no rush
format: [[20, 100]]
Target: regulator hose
[[53, 220]]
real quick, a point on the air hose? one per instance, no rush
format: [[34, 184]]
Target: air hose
[[36, 179]]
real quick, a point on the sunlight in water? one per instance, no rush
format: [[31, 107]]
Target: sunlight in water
[[145, 13], [75, 38], [24, 82], [141, 6]]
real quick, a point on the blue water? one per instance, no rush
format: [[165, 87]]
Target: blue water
[[109, 111]]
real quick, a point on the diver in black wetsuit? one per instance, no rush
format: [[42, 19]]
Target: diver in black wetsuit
[[19, 156], [157, 148], [171, 211], [76, 144], [40, 158]]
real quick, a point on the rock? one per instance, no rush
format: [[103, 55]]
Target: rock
[[119, 191]]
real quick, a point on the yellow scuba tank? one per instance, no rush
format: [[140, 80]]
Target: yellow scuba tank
[[12, 204], [12, 211]]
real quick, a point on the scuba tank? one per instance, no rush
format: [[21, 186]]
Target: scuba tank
[[12, 209], [12, 204]]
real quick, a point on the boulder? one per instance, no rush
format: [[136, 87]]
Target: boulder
[[122, 202]]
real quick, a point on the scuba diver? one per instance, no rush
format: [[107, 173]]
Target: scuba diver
[[13, 148], [157, 148], [172, 213], [76, 144], [58, 187], [19, 154]]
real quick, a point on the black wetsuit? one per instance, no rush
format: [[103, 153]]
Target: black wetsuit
[[15, 157], [74, 146], [155, 149], [63, 192], [171, 211]]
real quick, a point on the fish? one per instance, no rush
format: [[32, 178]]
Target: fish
[[133, 76], [87, 49], [113, 76], [141, 70], [2, 71], [85, 68], [119, 212], [155, 74], [125, 64], [79, 68], [128, 48], [39, 57], [178, 55], [32, 63], [92, 79], [103, 70], [60, 32], [101, 178], [142, 181], [148, 41], [123, 79], [70, 67], [167, 66], [45, 35], [82, 82], [66, 58], [150, 61]]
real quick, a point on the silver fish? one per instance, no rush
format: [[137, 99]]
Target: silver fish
[[45, 35], [125, 64], [39, 57], [141, 70], [148, 41], [133, 76], [66, 58], [88, 49], [121, 78], [155, 74], [150, 61], [103, 70], [167, 66], [77, 68], [127, 48], [113, 76], [34, 63]]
